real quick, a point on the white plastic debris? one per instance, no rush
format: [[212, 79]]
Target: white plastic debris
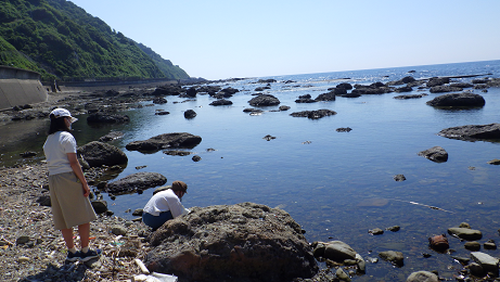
[[155, 277]]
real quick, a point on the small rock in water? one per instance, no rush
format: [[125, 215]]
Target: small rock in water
[[376, 231], [399, 177], [396, 258], [494, 162], [490, 245], [472, 246], [394, 228]]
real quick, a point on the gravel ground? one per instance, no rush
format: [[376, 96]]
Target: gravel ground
[[32, 250]]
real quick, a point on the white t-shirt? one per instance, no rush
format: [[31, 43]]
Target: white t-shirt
[[164, 201], [55, 149]]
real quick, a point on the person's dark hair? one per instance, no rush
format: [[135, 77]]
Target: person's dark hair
[[57, 124]]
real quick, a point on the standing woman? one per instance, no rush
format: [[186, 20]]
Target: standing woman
[[69, 189]]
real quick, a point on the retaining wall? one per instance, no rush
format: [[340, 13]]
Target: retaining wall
[[20, 87]]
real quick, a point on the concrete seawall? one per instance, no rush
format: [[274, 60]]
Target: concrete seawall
[[20, 87]]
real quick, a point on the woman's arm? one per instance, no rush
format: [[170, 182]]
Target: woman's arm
[[77, 169]]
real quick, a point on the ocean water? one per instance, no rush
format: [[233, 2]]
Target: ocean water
[[336, 185]]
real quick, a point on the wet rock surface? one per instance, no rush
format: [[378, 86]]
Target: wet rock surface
[[473, 132], [464, 99], [165, 141], [436, 154], [98, 154], [317, 114], [243, 241], [136, 182]]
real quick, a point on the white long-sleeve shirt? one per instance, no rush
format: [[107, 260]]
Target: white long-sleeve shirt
[[164, 201]]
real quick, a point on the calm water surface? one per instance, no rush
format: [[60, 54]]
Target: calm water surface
[[336, 185]]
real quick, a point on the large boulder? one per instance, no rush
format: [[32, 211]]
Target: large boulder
[[136, 182], [242, 242], [473, 132], [436, 154], [264, 100], [97, 154], [464, 99], [165, 141]]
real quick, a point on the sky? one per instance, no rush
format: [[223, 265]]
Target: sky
[[221, 39]]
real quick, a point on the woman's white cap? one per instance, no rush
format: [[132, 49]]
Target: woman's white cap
[[60, 112]]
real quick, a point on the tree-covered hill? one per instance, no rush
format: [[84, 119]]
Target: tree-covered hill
[[60, 40]]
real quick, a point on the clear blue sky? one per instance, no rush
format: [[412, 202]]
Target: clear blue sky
[[238, 38]]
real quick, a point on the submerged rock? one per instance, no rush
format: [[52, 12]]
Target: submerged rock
[[422, 276], [242, 242], [165, 141], [394, 257]]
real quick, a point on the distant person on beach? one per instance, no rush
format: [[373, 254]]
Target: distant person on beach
[[69, 189], [165, 205]]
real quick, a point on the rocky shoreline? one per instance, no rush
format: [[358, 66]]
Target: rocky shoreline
[[31, 250]]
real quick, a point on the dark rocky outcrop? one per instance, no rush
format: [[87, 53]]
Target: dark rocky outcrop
[[464, 99], [160, 101], [168, 90], [444, 88], [473, 132], [305, 99], [329, 96], [189, 114], [374, 88], [221, 102], [166, 141], [107, 118], [436, 81], [436, 154], [263, 100], [404, 80], [314, 114], [98, 154], [136, 182], [405, 97], [344, 85], [404, 89], [242, 242]]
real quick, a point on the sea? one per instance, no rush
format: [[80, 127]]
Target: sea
[[336, 185]]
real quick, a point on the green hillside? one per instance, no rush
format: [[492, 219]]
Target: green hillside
[[60, 40]]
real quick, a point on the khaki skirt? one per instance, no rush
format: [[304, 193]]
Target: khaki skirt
[[69, 206]]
